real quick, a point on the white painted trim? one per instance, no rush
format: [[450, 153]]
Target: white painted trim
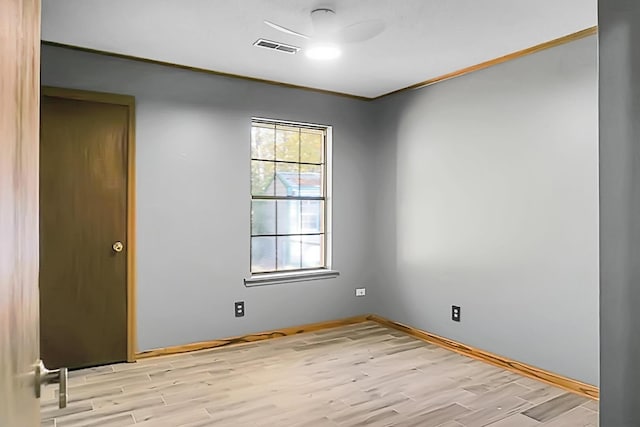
[[296, 276]]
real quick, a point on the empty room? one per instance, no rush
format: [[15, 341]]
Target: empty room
[[319, 213]]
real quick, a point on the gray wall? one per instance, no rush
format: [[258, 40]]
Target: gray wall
[[480, 191], [488, 198], [619, 210], [193, 203]]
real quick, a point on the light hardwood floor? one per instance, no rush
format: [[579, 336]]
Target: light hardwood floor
[[362, 374]]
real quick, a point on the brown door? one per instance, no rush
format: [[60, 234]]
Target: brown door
[[83, 232], [19, 99]]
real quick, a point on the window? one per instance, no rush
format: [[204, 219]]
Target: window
[[288, 197]]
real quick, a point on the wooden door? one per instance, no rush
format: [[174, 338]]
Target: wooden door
[[83, 214], [19, 100]]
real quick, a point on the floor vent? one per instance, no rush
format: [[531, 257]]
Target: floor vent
[[281, 47]]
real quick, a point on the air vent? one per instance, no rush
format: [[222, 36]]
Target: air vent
[[281, 47]]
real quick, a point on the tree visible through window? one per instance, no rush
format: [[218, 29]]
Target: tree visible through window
[[288, 196]]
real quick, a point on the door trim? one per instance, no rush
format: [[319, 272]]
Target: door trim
[[129, 101]]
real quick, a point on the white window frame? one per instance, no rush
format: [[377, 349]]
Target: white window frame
[[326, 272]]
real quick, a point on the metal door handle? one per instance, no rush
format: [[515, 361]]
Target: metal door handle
[[46, 376], [118, 247]]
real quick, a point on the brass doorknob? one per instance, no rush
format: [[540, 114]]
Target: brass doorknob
[[118, 247]]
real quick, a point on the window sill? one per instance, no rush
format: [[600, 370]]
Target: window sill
[[298, 276]]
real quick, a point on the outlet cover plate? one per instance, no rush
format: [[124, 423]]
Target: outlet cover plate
[[239, 308], [360, 292], [455, 313]]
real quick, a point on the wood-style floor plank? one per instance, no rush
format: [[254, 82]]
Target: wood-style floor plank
[[357, 375]]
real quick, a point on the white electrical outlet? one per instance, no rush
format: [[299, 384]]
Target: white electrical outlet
[[360, 292]]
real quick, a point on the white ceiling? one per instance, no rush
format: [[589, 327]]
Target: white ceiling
[[423, 38]]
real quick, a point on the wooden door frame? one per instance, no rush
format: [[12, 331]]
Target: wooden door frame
[[128, 101]]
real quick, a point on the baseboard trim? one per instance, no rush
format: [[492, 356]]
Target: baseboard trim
[[245, 339], [571, 385]]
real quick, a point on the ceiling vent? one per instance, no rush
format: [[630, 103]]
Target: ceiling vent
[[280, 47]]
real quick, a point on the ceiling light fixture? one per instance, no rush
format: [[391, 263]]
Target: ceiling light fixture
[[323, 51]]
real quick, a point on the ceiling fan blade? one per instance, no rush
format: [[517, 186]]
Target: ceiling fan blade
[[285, 30], [361, 31]]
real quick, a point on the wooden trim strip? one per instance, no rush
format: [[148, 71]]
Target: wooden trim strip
[[515, 55], [245, 339], [128, 101], [203, 70], [571, 385], [132, 337], [86, 95]]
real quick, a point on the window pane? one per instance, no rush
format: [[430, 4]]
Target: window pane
[[312, 251], [311, 146], [263, 254], [288, 216], [263, 217], [311, 216], [262, 178], [287, 165], [287, 144], [289, 253], [263, 138], [311, 180], [287, 177]]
